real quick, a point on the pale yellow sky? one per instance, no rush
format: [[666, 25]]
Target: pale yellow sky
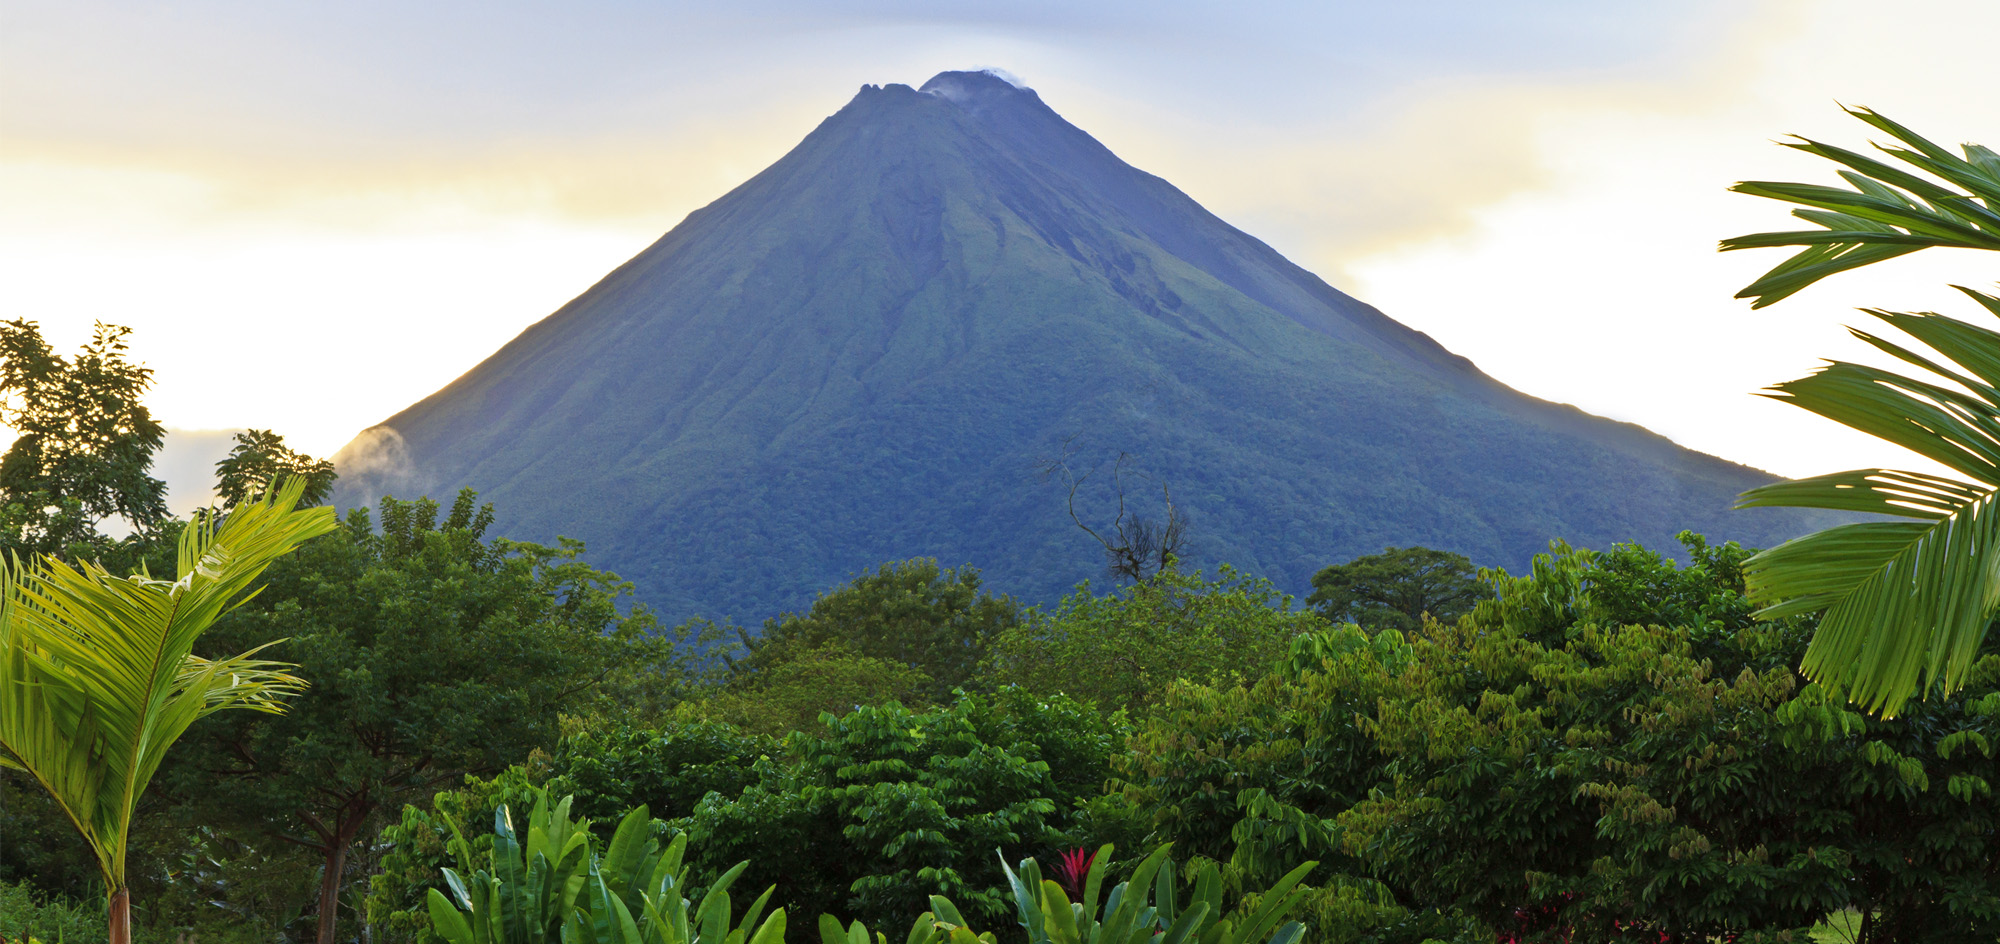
[[312, 218]]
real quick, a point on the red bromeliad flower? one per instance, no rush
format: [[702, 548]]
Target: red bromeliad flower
[[1073, 870]]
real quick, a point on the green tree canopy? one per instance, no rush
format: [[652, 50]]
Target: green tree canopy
[[1612, 746], [914, 613], [1548, 767], [261, 457], [1123, 650], [85, 444], [892, 804], [433, 650], [793, 694], [1396, 588]]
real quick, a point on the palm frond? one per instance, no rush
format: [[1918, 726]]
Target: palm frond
[[1908, 602], [1954, 429], [1945, 200], [97, 676]]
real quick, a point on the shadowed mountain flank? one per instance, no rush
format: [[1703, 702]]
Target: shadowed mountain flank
[[870, 350]]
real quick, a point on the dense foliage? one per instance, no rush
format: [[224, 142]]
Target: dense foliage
[[874, 811], [934, 621], [1606, 746], [893, 804], [545, 879], [436, 651], [84, 446], [1123, 650], [1613, 745]]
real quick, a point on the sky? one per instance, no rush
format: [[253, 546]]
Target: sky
[[314, 214]]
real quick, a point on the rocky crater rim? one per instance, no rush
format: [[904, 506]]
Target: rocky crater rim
[[985, 84]]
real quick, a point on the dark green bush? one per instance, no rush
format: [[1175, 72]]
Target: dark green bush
[[894, 804]]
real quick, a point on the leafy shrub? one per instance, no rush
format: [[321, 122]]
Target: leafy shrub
[[1253, 775], [894, 804], [934, 622], [667, 770], [606, 771], [833, 679], [26, 913], [553, 883], [1123, 651], [419, 849], [1148, 908]]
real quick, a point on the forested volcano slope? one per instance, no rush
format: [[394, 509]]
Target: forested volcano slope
[[870, 350]]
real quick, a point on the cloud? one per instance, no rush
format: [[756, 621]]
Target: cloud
[[369, 114], [377, 463], [1005, 76], [1600, 286]]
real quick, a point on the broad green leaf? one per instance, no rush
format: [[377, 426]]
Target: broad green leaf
[[751, 914], [924, 930], [1092, 885], [772, 931], [447, 921], [1058, 917], [712, 916], [830, 931], [627, 852], [1291, 933], [1278, 901], [1186, 925], [948, 912], [1026, 888]]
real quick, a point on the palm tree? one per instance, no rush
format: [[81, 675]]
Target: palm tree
[[1907, 602], [97, 675]]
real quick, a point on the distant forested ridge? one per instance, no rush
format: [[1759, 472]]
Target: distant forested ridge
[[877, 347]]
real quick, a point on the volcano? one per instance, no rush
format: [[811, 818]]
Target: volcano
[[880, 346]]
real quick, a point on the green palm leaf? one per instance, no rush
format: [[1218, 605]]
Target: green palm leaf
[[1906, 602], [1947, 200], [97, 675]]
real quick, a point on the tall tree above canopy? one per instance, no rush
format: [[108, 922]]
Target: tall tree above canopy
[[1907, 602], [936, 620], [1394, 589], [261, 457], [85, 442]]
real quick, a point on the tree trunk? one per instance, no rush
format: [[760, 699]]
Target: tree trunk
[[329, 889], [121, 916]]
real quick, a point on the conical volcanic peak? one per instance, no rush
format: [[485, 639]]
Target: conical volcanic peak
[[872, 349]]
